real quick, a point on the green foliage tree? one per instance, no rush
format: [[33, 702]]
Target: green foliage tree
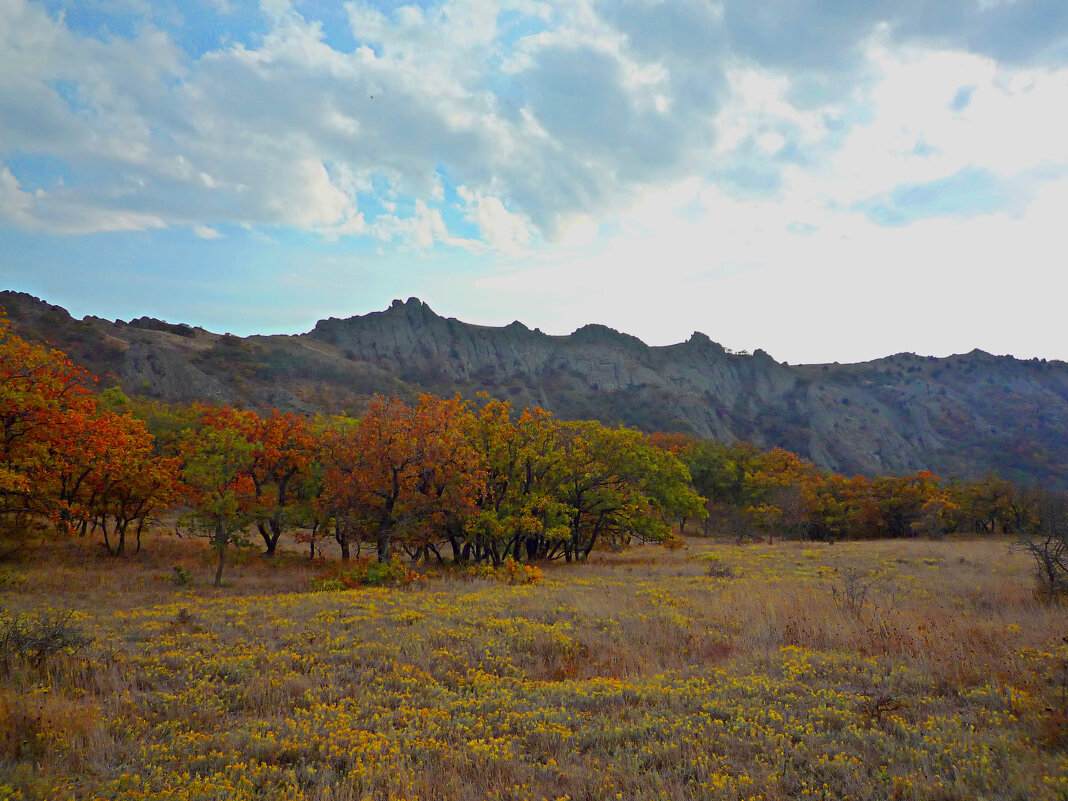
[[618, 486], [215, 470], [518, 508]]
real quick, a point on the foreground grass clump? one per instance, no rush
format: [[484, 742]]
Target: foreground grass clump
[[911, 670]]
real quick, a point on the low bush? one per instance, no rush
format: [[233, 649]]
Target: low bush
[[34, 639], [508, 572], [367, 573]]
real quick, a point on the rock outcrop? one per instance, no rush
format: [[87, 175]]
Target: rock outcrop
[[959, 416]]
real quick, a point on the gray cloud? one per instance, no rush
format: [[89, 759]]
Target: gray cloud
[[1029, 32]]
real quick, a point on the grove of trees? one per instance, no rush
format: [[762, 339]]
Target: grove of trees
[[437, 479]]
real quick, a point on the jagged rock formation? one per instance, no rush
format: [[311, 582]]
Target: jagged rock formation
[[963, 415]]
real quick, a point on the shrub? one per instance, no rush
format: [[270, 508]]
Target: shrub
[[34, 639], [367, 573], [852, 593], [9, 578], [513, 572], [717, 568], [508, 572], [181, 576], [1046, 539]]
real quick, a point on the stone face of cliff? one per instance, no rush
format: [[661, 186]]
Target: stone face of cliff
[[963, 415]]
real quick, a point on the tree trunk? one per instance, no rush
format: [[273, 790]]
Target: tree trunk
[[220, 546], [140, 525], [341, 534], [270, 539], [121, 529], [589, 548], [383, 542], [107, 541]]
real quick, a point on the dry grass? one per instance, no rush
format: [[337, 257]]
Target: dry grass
[[922, 670]]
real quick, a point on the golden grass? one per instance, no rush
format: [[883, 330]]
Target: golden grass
[[638, 675]]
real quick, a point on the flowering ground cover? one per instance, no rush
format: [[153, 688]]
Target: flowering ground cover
[[906, 669]]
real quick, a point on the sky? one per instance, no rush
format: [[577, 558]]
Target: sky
[[826, 180]]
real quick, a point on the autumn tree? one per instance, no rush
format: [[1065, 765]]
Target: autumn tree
[[719, 474], [403, 472], [850, 508], [283, 448], [129, 484], [786, 491], [45, 406], [902, 501], [335, 467], [988, 504]]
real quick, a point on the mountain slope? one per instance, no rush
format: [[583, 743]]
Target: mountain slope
[[962, 415]]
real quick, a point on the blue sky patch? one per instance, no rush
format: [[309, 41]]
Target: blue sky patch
[[969, 193]]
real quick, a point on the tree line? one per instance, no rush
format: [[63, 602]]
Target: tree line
[[778, 494], [437, 479]]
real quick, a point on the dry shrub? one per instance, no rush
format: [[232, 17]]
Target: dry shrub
[[34, 639]]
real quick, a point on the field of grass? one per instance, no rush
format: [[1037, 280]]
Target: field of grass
[[885, 670]]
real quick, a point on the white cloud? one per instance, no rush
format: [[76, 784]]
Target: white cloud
[[422, 230], [802, 274], [502, 230], [64, 212], [732, 101], [15, 205], [206, 232]]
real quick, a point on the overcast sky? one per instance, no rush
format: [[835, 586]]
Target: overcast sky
[[830, 180]]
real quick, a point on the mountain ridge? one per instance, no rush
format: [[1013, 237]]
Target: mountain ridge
[[964, 415]]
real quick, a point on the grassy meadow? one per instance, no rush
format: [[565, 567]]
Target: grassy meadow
[[876, 670]]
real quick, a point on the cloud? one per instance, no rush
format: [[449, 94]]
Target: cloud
[[421, 230], [206, 232], [64, 212], [546, 114], [501, 229]]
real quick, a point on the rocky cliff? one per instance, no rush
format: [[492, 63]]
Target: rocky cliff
[[962, 415]]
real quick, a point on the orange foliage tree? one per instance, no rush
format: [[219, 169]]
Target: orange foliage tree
[[45, 414], [129, 483], [283, 448], [403, 473]]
